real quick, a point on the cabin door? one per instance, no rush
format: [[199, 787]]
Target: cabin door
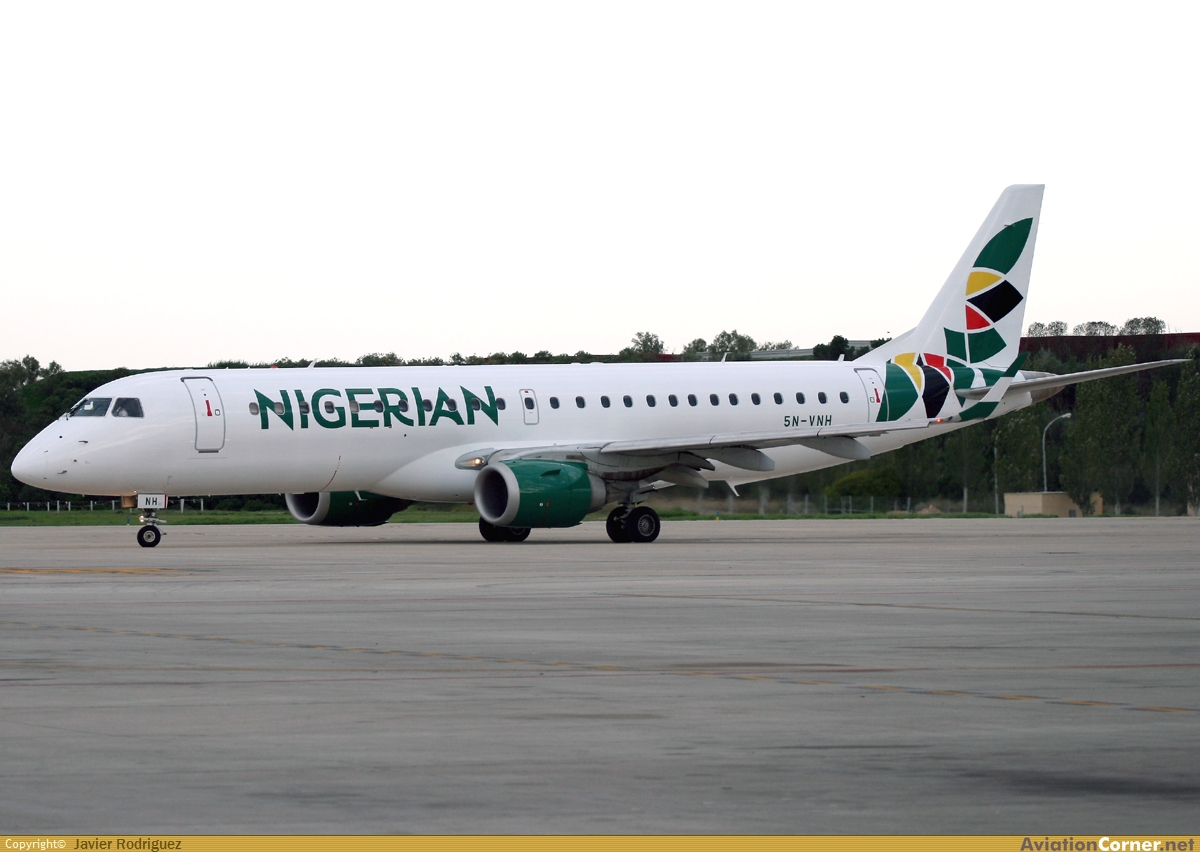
[[210, 414], [529, 407], [875, 392]]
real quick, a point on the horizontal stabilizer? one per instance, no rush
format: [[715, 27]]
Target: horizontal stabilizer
[[1046, 383]]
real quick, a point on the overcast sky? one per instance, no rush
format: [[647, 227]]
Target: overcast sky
[[181, 183]]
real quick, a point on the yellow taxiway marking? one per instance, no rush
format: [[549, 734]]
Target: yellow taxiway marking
[[1166, 709]]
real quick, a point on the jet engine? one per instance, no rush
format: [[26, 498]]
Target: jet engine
[[344, 508], [535, 493]]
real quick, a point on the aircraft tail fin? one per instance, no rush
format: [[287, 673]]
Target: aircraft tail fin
[[974, 325]]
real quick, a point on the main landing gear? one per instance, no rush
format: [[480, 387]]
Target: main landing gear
[[149, 535], [640, 524], [491, 532]]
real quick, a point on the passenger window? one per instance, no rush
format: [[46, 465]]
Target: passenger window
[[674, 400], [821, 398], [628, 400], [304, 408], [778, 398], [500, 403], [279, 408], [427, 404], [93, 406], [580, 402], [605, 401], [554, 402], [377, 405], [755, 398], [402, 405], [451, 404], [845, 397], [800, 398], [691, 399], [529, 403], [714, 399], [126, 407], [353, 407], [733, 399], [254, 408], [329, 406], [475, 404], [650, 400]]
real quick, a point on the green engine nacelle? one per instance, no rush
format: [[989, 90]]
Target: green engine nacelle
[[344, 508], [532, 493]]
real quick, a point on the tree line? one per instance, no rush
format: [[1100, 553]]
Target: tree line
[[1134, 439]]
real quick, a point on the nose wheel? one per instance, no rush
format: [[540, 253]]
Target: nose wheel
[[149, 535]]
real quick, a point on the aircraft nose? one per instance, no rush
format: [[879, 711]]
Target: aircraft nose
[[30, 464]]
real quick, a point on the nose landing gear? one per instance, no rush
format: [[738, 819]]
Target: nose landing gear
[[149, 535]]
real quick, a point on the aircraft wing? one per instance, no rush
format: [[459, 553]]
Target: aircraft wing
[[760, 440], [1058, 382], [738, 449]]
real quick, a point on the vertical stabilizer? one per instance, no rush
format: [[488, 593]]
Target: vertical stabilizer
[[973, 327]]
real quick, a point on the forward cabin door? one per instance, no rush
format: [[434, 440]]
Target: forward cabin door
[[529, 406], [875, 392], [210, 414]]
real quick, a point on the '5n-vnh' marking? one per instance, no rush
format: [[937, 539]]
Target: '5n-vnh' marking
[[813, 420]]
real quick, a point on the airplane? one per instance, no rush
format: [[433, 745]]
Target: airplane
[[539, 446]]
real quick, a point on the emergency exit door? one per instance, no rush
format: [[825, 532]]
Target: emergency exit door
[[210, 414]]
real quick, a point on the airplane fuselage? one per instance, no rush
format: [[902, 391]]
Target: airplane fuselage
[[398, 431]]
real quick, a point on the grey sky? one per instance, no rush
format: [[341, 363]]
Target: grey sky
[[184, 183]]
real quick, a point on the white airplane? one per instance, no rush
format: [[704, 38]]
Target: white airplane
[[543, 446]]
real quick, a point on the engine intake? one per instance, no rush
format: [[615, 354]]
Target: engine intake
[[534, 493], [344, 508]]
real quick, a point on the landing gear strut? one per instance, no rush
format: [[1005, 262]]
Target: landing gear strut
[[640, 524], [491, 532], [149, 535]]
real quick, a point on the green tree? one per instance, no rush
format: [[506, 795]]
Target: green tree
[[838, 347], [1159, 441], [1103, 436], [732, 344], [645, 343], [1018, 438], [1187, 438], [695, 351], [872, 482]]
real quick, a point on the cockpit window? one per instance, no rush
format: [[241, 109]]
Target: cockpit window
[[127, 407], [93, 406]]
